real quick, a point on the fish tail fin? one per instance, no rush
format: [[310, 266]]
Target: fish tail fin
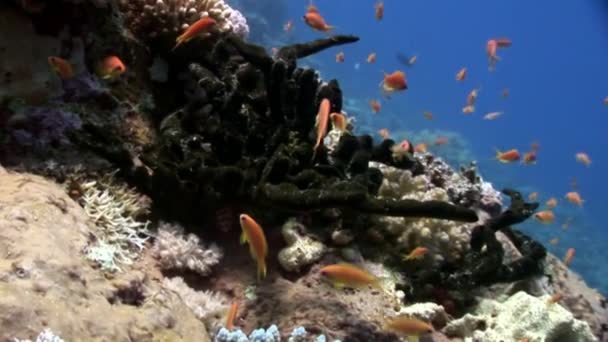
[[261, 269], [179, 41]]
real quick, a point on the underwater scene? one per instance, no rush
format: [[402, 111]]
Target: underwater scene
[[303, 170]]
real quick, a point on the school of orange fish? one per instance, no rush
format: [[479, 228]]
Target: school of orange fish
[[348, 275]]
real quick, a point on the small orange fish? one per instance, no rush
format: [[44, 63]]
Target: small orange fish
[[574, 198], [492, 46], [416, 253], [441, 141], [321, 123], [202, 26], [379, 10], [62, 67], [606, 101], [505, 93], [428, 115], [529, 158], [551, 203], [347, 275], [407, 326], [555, 298], [472, 97], [461, 74], [421, 148], [509, 156], [232, 314], [394, 82], [338, 121], [371, 58], [583, 158], [554, 241], [375, 106], [316, 21], [384, 133], [533, 196], [545, 216], [110, 68], [569, 256], [503, 42], [288, 27], [468, 109], [258, 247], [492, 115], [340, 57]]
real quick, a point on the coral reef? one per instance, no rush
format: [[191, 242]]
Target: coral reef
[[521, 316], [174, 251], [207, 306], [301, 249], [114, 209], [150, 19], [46, 282]]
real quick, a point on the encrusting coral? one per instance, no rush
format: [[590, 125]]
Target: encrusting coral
[[301, 249], [154, 18], [174, 251]]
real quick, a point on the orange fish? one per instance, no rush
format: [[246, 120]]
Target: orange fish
[[428, 115], [62, 67], [509, 156], [338, 121], [505, 93], [232, 313], [420, 148], [417, 253], [321, 123], [384, 133], [533, 196], [110, 68], [379, 10], [492, 115], [394, 82], [569, 256], [371, 58], [288, 26], [347, 275], [461, 74], [491, 46], [472, 97], [407, 326], [529, 158], [202, 26], [375, 105], [340, 57], [555, 298], [574, 198], [606, 101], [441, 141], [551, 203], [583, 158], [254, 234], [316, 21], [468, 109], [554, 241], [545, 216]]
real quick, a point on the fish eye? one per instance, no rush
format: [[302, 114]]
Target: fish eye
[[323, 273]]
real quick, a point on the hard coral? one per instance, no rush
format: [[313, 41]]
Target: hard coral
[[302, 250], [157, 18], [176, 251]]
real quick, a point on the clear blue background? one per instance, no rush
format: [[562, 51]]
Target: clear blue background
[[556, 72]]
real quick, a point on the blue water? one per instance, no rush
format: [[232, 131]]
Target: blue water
[[556, 72]]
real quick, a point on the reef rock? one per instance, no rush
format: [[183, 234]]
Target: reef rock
[[302, 250], [521, 316], [46, 282]]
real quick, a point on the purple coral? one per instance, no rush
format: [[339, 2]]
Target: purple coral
[[40, 127]]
